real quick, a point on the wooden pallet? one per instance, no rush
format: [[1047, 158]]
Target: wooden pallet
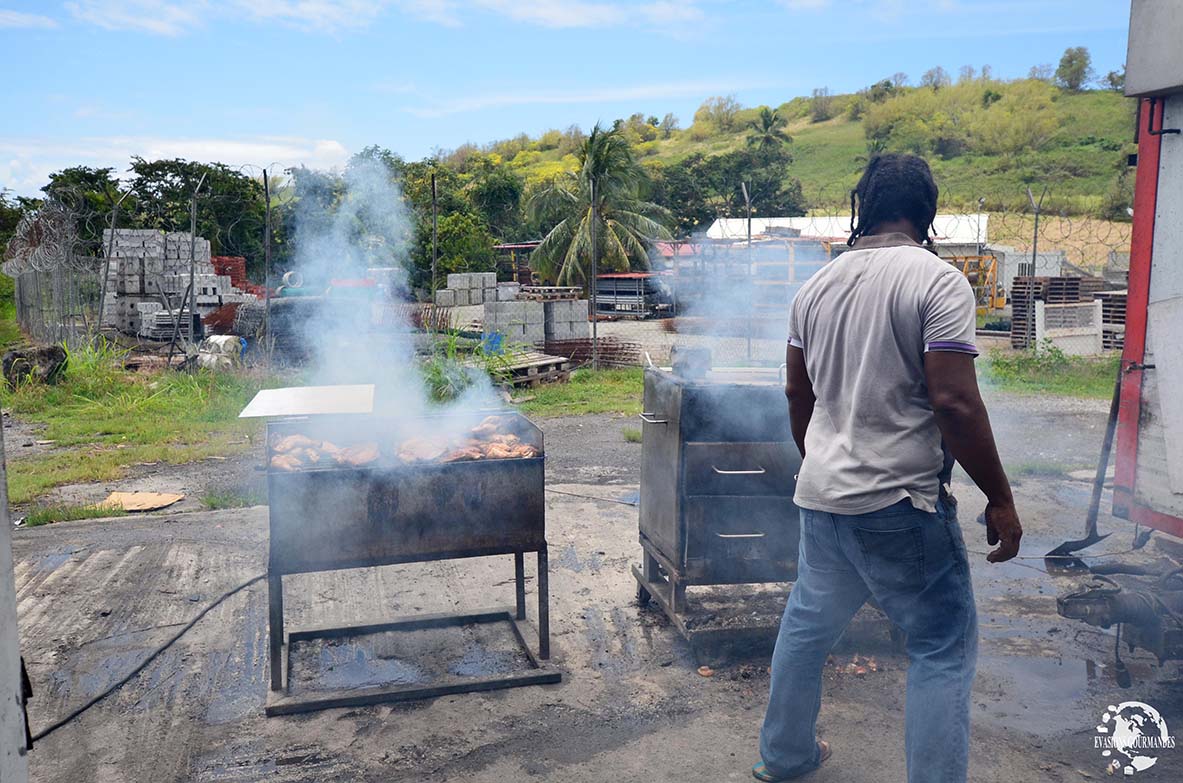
[[549, 293], [531, 368]]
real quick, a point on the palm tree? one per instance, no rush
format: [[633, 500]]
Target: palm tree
[[624, 224], [767, 131]]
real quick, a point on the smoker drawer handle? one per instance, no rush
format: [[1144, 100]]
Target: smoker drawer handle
[[757, 472], [649, 418], [740, 535]]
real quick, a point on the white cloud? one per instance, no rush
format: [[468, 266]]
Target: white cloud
[[805, 5], [578, 96], [175, 17], [19, 19], [25, 164], [161, 17], [326, 15], [578, 13]]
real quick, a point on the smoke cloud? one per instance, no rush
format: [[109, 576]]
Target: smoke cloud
[[359, 330]]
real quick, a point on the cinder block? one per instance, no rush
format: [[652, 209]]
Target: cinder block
[[534, 312], [534, 333], [445, 297], [487, 279], [458, 282], [508, 292], [476, 296], [579, 330], [462, 299]]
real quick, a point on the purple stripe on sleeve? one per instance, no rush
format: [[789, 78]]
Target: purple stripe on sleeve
[[952, 345], [793, 341]]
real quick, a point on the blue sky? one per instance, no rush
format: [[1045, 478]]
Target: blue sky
[[278, 82]]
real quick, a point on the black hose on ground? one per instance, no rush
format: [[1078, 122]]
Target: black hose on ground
[[144, 663]]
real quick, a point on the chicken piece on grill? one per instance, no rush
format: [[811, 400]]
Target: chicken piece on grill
[[358, 455], [489, 427], [330, 451], [286, 462], [467, 453], [292, 442], [499, 451], [422, 450]]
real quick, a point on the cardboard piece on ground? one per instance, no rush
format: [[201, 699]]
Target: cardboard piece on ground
[[311, 400], [142, 501]]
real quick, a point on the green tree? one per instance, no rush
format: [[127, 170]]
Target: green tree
[[1115, 80], [91, 193], [767, 131], [936, 78], [699, 188], [465, 245], [12, 209], [718, 113], [1075, 69], [821, 105], [623, 223]]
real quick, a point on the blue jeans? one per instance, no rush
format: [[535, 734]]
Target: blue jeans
[[914, 564]]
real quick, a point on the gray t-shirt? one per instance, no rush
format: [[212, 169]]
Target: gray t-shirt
[[864, 323]]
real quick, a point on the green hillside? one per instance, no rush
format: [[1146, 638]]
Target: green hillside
[[984, 138]]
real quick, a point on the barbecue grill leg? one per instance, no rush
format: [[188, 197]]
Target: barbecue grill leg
[[543, 605], [519, 574], [275, 626]]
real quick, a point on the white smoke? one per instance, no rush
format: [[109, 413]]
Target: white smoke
[[364, 334]]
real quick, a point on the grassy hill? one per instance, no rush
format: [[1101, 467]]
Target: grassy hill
[[984, 139]]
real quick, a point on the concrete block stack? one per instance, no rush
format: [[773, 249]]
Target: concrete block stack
[[475, 288], [566, 320], [145, 262], [518, 322]]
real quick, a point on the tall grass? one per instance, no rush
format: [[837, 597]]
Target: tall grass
[[104, 419]]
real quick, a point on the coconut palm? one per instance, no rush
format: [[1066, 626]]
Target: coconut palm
[[767, 130], [624, 224]]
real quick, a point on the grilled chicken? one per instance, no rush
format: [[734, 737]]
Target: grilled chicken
[[422, 450], [361, 454], [286, 462], [292, 442]]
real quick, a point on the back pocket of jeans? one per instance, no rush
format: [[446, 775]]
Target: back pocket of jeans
[[893, 558]]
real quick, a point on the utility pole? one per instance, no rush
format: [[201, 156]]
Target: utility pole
[[434, 234], [267, 269], [194, 320], [98, 328], [751, 283], [595, 273]]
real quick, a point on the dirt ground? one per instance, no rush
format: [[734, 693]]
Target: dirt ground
[[96, 596]]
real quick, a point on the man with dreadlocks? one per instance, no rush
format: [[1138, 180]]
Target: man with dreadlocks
[[882, 399]]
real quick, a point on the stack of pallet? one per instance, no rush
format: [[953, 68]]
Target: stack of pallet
[[1025, 292], [1113, 310], [475, 288]]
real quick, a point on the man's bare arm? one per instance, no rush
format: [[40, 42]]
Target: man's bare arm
[[965, 427], [799, 390]]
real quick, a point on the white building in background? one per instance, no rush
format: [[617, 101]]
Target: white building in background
[[960, 232]]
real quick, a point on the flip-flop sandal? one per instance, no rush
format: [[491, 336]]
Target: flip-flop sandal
[[760, 772]]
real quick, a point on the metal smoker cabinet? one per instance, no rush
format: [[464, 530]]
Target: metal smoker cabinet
[[717, 480]]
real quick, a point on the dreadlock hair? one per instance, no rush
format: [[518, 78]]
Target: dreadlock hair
[[893, 187]]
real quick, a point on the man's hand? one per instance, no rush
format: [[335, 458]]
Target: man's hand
[[1004, 530]]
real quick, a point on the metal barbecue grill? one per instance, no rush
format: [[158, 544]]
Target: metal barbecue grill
[[386, 512], [718, 475]]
